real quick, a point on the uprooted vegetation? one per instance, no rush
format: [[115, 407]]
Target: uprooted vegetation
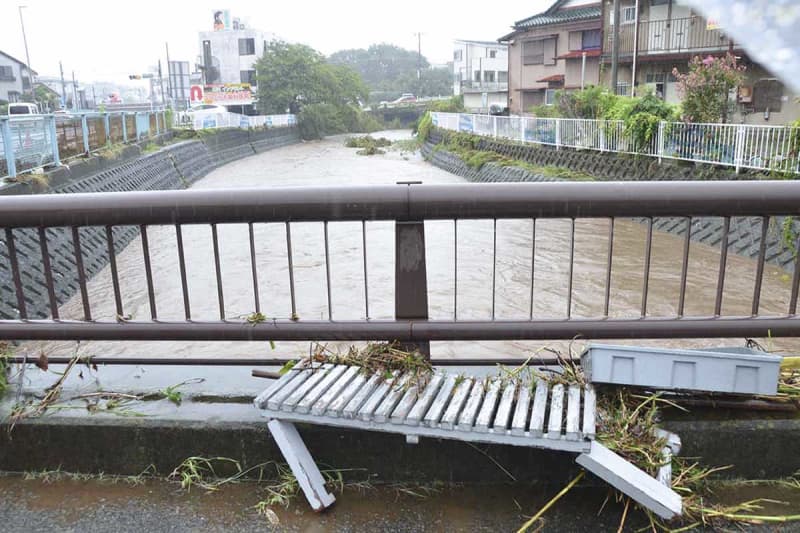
[[368, 144]]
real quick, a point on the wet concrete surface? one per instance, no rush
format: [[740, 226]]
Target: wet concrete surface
[[156, 505]]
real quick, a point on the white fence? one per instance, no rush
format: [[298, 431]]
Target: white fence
[[202, 121], [736, 145]]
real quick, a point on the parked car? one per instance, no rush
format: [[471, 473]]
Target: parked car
[[498, 110], [405, 98], [22, 108]]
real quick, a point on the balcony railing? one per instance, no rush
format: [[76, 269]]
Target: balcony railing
[[483, 86], [678, 35]]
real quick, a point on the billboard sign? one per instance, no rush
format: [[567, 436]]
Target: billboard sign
[[222, 19]]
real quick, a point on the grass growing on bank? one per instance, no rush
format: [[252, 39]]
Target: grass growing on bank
[[467, 147]]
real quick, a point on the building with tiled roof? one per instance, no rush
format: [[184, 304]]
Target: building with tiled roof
[[559, 48]]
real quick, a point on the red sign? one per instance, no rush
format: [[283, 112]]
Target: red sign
[[196, 94]]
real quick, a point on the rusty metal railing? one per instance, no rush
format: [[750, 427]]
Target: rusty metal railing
[[410, 207]]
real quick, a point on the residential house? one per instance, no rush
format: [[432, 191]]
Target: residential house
[[480, 73], [15, 78], [664, 34], [557, 49]]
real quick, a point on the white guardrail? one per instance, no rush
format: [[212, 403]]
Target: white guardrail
[[736, 145], [203, 121]]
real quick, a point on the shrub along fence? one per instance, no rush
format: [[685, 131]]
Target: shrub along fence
[[735, 145]]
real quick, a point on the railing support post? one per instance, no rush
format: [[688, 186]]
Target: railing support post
[[85, 130], [124, 127], [51, 122], [107, 123], [158, 130], [494, 126], [411, 284], [660, 140], [738, 148], [558, 133], [522, 128], [136, 125], [8, 147]]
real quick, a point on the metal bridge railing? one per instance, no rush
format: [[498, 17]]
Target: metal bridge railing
[[56, 223], [28, 142]]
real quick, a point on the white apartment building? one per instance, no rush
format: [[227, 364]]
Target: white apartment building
[[480, 73], [229, 55]]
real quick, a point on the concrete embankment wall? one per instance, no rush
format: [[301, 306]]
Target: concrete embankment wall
[[175, 166], [745, 232]]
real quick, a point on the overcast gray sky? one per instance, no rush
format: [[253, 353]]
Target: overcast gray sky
[[110, 39]]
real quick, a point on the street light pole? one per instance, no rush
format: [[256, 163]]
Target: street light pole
[[27, 55]]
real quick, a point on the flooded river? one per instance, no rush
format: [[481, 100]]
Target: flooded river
[[329, 163]]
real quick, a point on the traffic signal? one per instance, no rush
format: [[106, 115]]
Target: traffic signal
[[135, 77]]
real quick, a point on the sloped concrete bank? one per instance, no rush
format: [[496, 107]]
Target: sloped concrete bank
[[744, 237], [175, 166]]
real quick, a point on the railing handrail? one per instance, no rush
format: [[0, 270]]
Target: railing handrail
[[418, 202]]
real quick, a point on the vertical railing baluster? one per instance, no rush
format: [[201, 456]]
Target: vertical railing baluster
[[795, 279], [762, 253], [687, 237], [571, 266], [48, 273], [254, 267], [328, 270], [76, 244], [182, 264], [723, 261], [609, 261], [364, 249], [112, 258], [291, 269], [218, 269], [455, 268], [15, 273], [533, 262], [648, 250], [494, 265], [148, 271]]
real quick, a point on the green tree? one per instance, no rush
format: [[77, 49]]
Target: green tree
[[290, 72], [380, 65], [705, 88]]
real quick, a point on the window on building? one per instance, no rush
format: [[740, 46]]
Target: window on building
[[248, 76], [542, 52], [13, 96], [657, 80], [247, 47], [492, 54], [549, 96], [590, 40], [767, 94], [6, 73], [502, 76], [476, 75], [628, 15], [489, 75], [623, 89], [457, 55], [659, 2]]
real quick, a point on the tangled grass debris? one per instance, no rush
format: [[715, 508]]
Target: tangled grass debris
[[368, 144]]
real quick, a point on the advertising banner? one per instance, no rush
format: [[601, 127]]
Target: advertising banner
[[221, 94]]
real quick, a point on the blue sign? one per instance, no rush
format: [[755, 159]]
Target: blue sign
[[209, 121]]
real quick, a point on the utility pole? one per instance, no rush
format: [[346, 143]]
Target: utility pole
[[27, 55], [615, 47], [63, 86], [161, 80], [74, 92], [172, 97], [419, 64]]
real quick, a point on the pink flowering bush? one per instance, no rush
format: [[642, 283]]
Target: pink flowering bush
[[706, 86]]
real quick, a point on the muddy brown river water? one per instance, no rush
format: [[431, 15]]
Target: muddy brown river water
[[329, 163]]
